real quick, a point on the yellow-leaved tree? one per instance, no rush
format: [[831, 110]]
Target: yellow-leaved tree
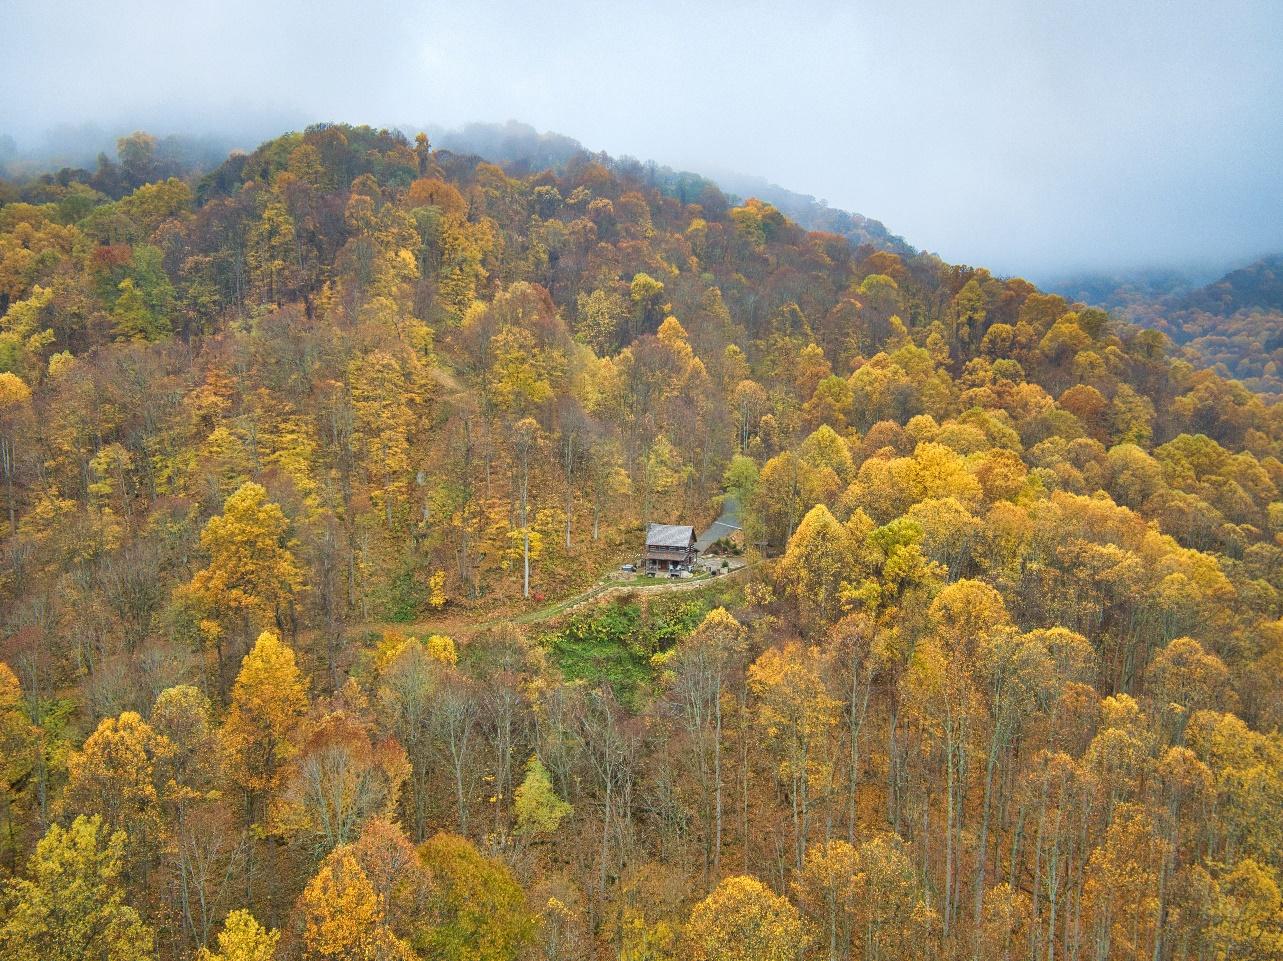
[[71, 905], [819, 560], [251, 570], [259, 735], [344, 917], [479, 911], [242, 939], [15, 399], [743, 920], [18, 743], [343, 775], [1247, 914], [796, 715], [866, 901], [698, 673], [539, 810], [115, 775], [382, 396]]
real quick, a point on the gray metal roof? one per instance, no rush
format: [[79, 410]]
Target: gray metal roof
[[669, 535]]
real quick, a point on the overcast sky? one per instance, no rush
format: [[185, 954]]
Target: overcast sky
[[1030, 136]]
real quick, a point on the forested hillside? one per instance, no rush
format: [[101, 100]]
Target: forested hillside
[[298, 458], [1233, 325]]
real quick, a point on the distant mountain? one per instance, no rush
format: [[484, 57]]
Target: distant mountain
[[1117, 291], [1258, 285], [1233, 325]]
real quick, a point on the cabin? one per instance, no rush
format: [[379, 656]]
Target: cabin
[[669, 547]]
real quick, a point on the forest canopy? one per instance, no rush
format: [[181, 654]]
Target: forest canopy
[[309, 465]]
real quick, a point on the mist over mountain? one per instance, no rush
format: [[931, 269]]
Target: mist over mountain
[[525, 149], [1116, 290], [517, 146], [1232, 323], [1033, 139]]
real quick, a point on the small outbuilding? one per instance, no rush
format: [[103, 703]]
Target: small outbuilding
[[669, 547]]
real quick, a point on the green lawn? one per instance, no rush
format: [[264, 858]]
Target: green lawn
[[614, 643]]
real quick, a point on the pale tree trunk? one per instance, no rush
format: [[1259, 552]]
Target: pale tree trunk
[[991, 764], [569, 466], [857, 711], [7, 464], [717, 778], [525, 558], [523, 513]]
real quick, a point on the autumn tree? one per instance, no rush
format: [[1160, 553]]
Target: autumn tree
[[1246, 914], [260, 733], [344, 917], [743, 920], [15, 396], [407, 686], [117, 776], [538, 808], [525, 439], [251, 572], [381, 397], [18, 746], [343, 775], [134, 318], [242, 939], [1006, 925], [479, 910], [941, 687], [797, 714], [1120, 892], [819, 560], [1017, 675], [827, 891], [784, 492], [1184, 678], [700, 673], [71, 905], [867, 901]]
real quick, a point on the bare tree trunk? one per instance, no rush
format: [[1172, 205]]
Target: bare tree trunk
[[983, 843], [717, 778], [569, 465], [6, 462]]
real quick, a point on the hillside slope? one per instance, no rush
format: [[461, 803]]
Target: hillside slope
[[1005, 678]]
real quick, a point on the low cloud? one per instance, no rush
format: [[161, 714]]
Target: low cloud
[[1032, 138]]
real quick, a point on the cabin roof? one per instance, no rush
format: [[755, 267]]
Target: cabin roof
[[669, 535]]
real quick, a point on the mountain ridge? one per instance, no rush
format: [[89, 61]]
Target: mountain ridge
[[526, 149]]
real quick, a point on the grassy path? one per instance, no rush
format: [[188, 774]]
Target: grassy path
[[601, 590]]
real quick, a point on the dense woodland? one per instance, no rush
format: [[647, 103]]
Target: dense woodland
[[294, 454]]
